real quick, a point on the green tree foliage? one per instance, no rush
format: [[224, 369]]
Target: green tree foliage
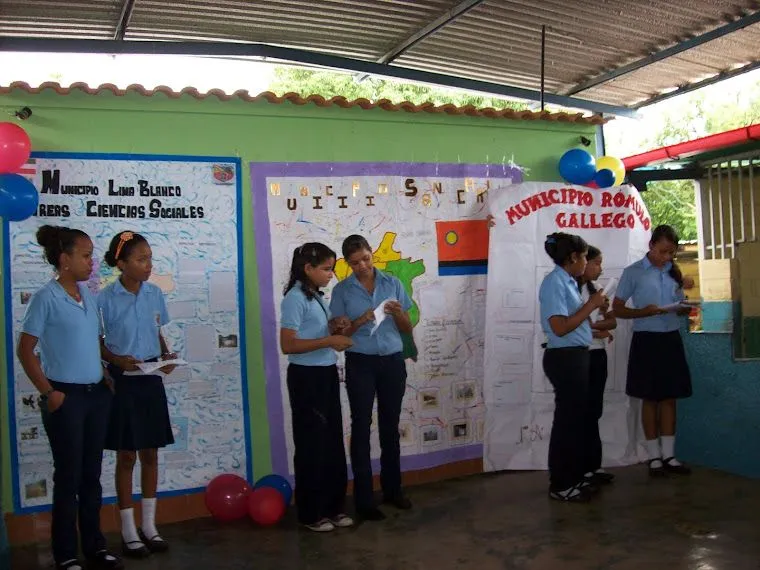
[[333, 84]]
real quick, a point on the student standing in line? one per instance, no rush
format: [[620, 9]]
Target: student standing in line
[[133, 312], [62, 321], [602, 322], [374, 366], [306, 336], [565, 321], [658, 372]]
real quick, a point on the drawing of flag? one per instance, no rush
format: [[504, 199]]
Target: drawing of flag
[[462, 247], [29, 169]]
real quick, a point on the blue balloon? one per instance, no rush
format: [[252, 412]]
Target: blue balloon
[[276, 482], [18, 197], [577, 166], [604, 178]]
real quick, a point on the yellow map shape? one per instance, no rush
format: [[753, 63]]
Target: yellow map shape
[[380, 257]]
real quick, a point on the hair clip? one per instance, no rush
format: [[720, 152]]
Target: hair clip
[[550, 239], [123, 238]]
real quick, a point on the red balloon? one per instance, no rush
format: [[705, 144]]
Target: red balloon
[[15, 148], [266, 506], [227, 497]]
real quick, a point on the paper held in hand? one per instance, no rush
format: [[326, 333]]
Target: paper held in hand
[[149, 367], [380, 315], [610, 287], [673, 307]]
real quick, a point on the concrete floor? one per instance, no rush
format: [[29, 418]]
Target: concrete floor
[[709, 521]]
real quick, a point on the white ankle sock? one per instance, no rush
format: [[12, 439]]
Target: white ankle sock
[[668, 448], [149, 519], [653, 448], [128, 529]]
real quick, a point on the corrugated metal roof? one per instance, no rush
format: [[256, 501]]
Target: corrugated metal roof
[[496, 40], [318, 100]]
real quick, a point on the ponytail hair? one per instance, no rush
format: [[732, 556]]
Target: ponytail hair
[[56, 240], [593, 253], [560, 247], [312, 253], [667, 233]]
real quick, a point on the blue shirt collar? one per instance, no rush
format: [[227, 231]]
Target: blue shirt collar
[[646, 264], [564, 274], [119, 287], [379, 276]]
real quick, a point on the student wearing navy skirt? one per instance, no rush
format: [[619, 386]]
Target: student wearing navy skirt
[[133, 312], [307, 337], [565, 322], [62, 321], [658, 372], [602, 322]]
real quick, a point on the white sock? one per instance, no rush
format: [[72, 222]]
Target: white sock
[[668, 448], [149, 519], [128, 529], [653, 450]]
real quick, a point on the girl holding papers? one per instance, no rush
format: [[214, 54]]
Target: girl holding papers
[[377, 305], [602, 322], [658, 372], [307, 336], [132, 313]]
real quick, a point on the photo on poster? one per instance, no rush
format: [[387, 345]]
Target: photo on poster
[[465, 393], [460, 431], [429, 399], [431, 435], [228, 341]]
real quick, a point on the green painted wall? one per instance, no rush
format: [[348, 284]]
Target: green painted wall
[[263, 131]]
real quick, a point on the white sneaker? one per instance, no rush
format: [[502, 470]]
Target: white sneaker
[[323, 525], [342, 520]]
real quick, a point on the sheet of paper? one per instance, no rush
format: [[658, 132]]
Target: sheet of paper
[[610, 287], [181, 309], [149, 367], [222, 294], [380, 315], [200, 342]]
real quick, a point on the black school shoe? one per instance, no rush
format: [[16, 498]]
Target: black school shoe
[[400, 502], [104, 560], [675, 469], [600, 478], [154, 544], [370, 514], [576, 494]]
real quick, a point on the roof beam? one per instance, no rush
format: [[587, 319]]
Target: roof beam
[[689, 87], [441, 21], [302, 56], [446, 18], [738, 24], [124, 18]]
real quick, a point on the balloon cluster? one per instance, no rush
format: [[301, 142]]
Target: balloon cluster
[[229, 497], [18, 196], [578, 166]]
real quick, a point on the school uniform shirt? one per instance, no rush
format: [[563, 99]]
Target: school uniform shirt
[[596, 343], [559, 296], [650, 285], [67, 333], [350, 299], [132, 321], [309, 318]]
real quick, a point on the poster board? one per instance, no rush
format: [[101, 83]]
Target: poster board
[[188, 208]]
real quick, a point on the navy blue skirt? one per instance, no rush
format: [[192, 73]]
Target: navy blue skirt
[[139, 414], [657, 367]]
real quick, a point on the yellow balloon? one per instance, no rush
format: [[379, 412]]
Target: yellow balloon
[[615, 165]]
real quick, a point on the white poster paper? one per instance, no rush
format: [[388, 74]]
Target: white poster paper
[[519, 398]]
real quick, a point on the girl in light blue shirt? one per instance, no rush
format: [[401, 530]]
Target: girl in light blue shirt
[[61, 321], [565, 321], [306, 336], [658, 373], [133, 312]]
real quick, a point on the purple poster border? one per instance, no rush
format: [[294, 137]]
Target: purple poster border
[[260, 171]]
